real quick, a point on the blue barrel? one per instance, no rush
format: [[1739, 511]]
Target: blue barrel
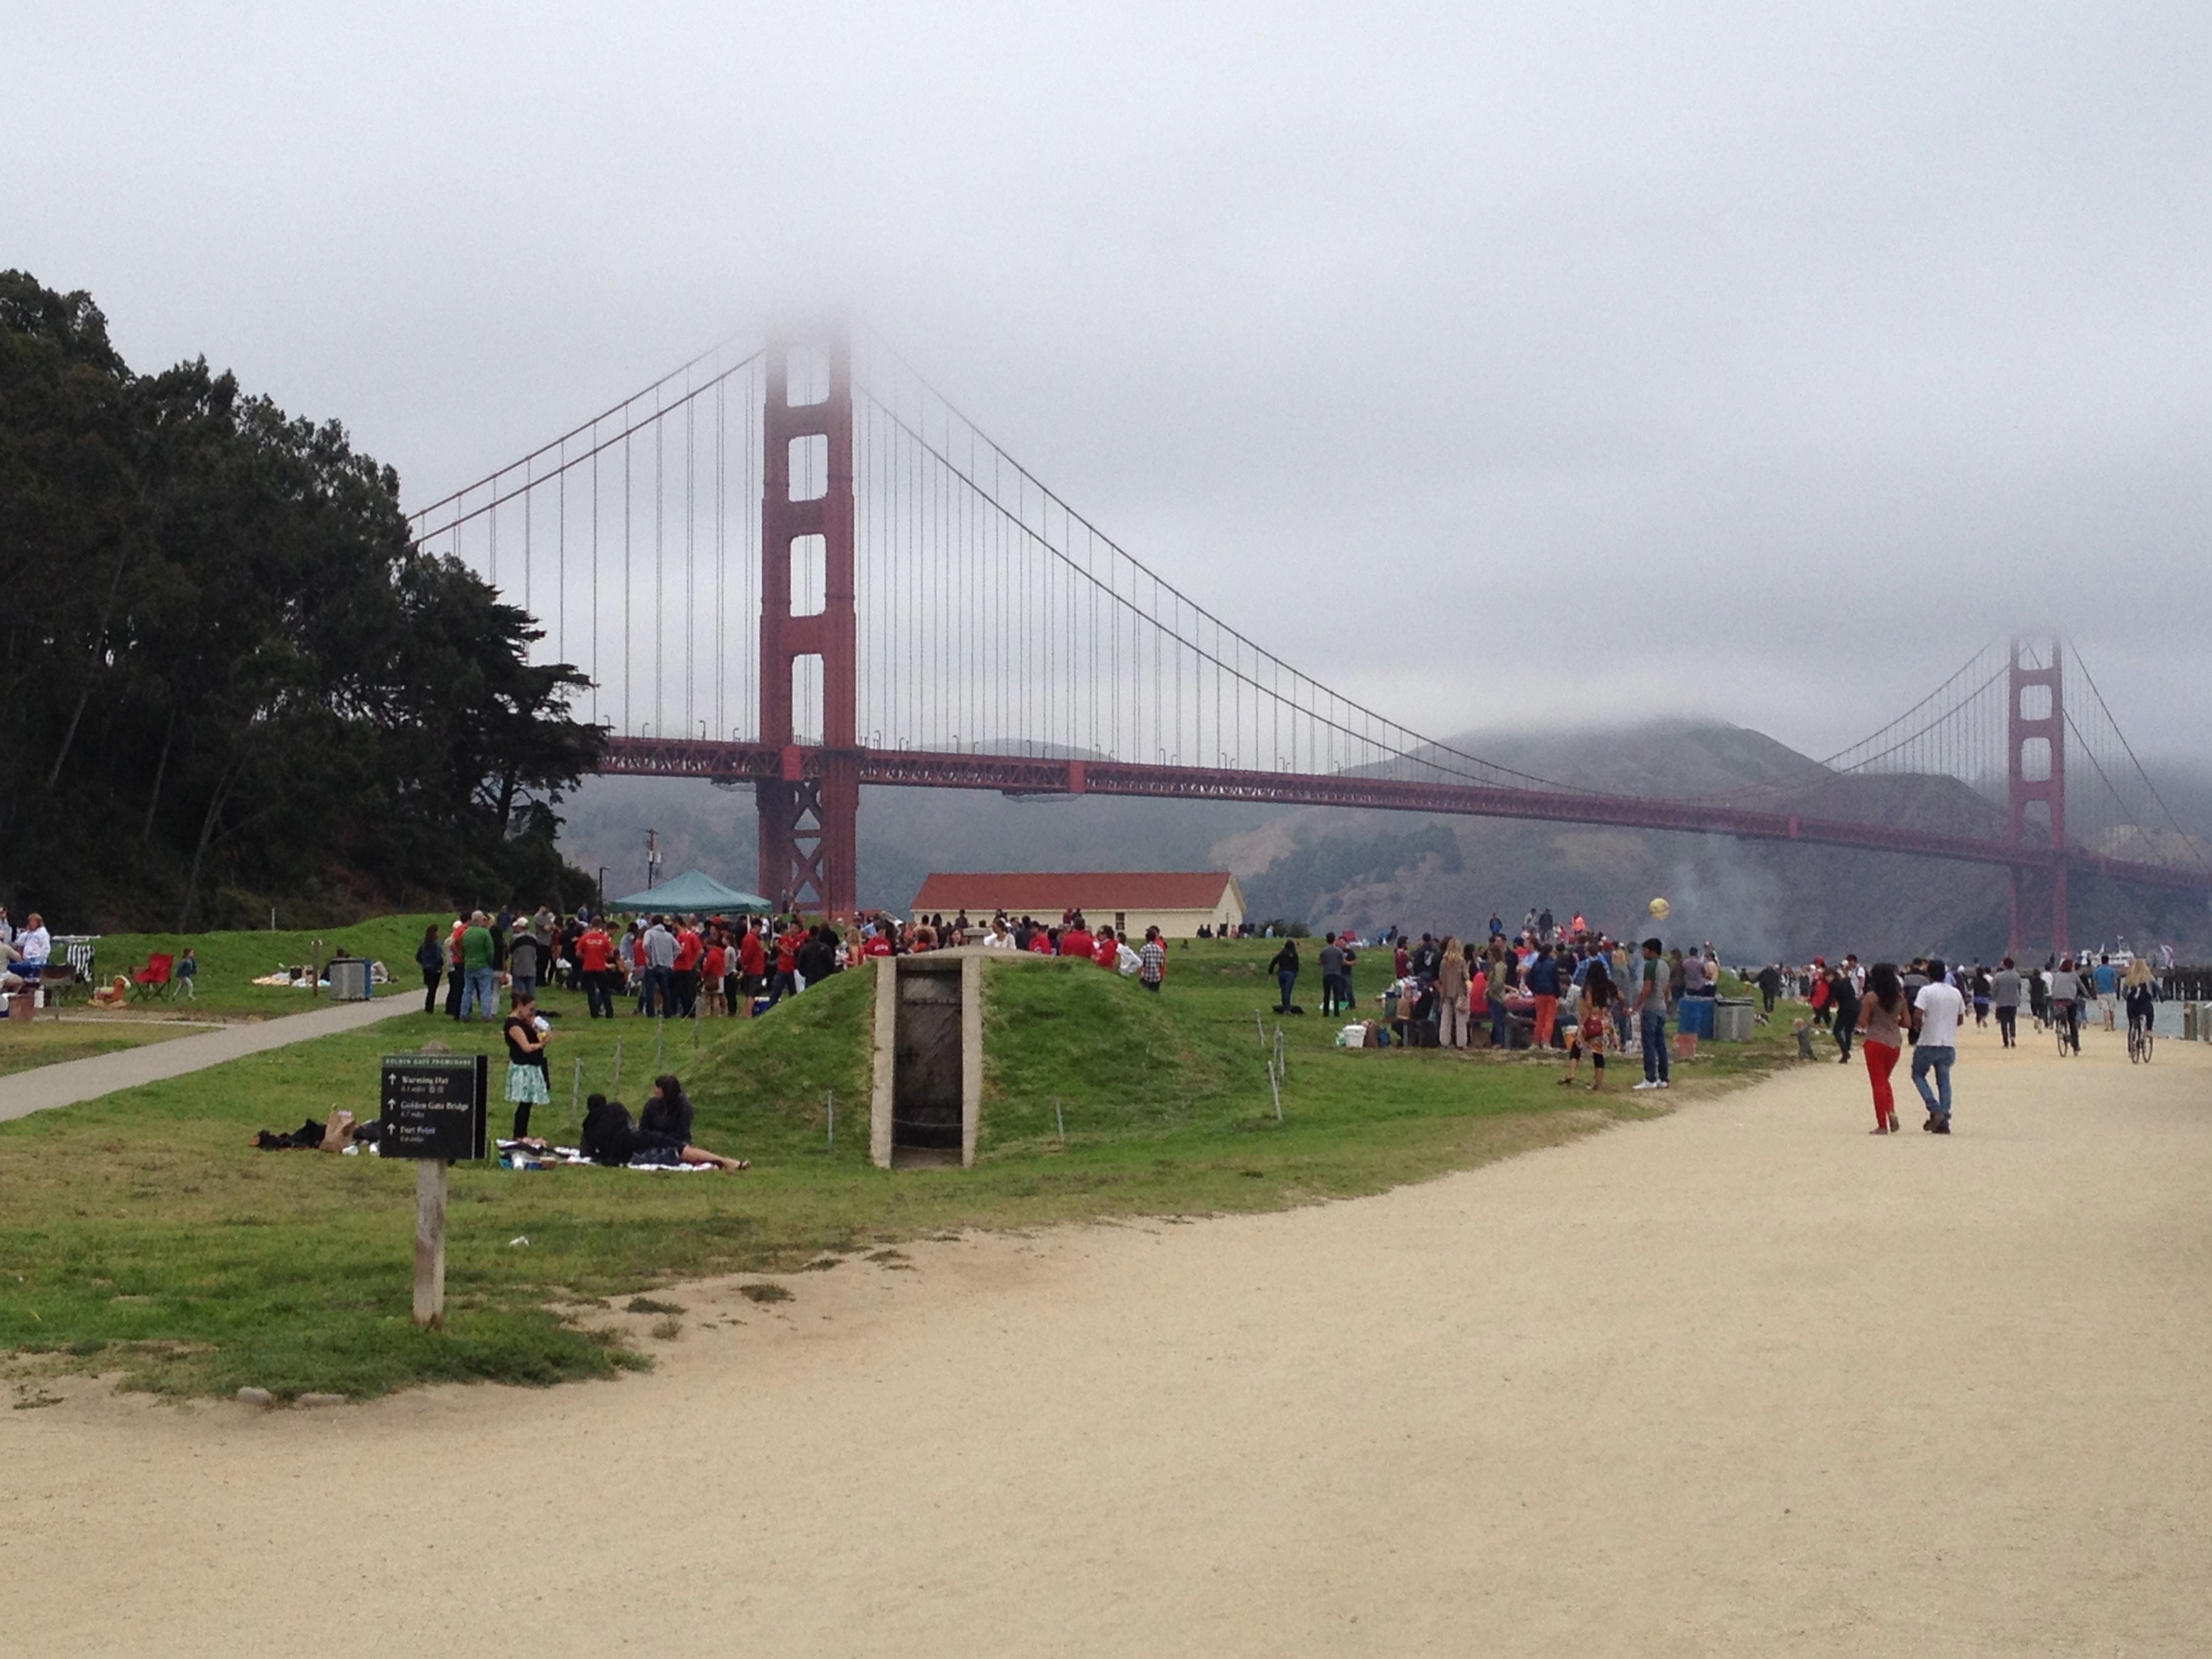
[[1693, 1017]]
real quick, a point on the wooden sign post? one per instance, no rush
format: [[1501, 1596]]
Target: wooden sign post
[[431, 1177], [436, 1109]]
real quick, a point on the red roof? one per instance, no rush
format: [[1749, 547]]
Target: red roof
[[1047, 893]]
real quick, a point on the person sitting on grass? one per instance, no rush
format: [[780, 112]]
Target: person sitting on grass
[[609, 1138], [667, 1113]]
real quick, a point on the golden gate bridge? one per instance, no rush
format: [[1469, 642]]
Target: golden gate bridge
[[799, 567]]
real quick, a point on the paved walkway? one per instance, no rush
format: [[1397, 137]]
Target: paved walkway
[[73, 1080]]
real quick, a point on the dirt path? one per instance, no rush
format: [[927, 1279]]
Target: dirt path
[[1745, 1380]]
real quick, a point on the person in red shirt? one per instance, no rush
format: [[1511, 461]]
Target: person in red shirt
[[690, 950], [1107, 951], [711, 969], [880, 942], [595, 956], [786, 981], [752, 966], [1043, 942], [1075, 940]]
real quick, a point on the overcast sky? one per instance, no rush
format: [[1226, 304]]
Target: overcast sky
[[1495, 362]]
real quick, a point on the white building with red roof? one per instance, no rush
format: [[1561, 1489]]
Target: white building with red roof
[[1176, 901]]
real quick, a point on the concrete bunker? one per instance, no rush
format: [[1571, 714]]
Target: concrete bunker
[[928, 1093]]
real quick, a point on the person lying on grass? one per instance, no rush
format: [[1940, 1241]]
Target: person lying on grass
[[610, 1139]]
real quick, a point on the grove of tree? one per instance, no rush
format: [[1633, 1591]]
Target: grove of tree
[[227, 678]]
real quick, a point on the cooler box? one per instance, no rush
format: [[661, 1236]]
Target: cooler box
[[1732, 1020], [1693, 1017]]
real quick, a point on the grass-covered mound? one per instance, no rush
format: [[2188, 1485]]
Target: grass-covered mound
[[142, 1234]]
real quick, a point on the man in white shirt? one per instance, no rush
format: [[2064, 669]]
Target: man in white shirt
[[1936, 1010]]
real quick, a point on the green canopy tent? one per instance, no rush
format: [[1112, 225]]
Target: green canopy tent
[[694, 893]]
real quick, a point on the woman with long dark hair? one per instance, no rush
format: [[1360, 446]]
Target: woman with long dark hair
[[1881, 1030]]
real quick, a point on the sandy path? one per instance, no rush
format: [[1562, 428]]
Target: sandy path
[[1745, 1380]]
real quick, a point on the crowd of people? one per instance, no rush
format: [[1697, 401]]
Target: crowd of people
[[1566, 987], [684, 966], [1550, 986]]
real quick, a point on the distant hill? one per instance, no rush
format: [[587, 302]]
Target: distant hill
[[1754, 899], [1332, 867]]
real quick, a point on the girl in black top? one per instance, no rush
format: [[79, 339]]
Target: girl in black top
[[526, 1079]]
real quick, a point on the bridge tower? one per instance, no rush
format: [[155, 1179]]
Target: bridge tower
[[809, 815], [2035, 763]]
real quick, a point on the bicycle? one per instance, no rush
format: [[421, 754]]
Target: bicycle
[[2066, 1020], [2139, 1038]]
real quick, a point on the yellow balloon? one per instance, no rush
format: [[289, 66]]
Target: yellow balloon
[[1659, 908]]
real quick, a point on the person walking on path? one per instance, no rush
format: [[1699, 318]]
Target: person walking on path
[[430, 958], [478, 990], [527, 1077], [1451, 997], [1650, 1009], [1845, 995], [2004, 997], [1881, 1018], [2107, 979], [1285, 968], [1936, 1012]]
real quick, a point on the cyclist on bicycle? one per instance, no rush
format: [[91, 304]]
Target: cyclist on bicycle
[[2066, 1005], [2142, 1000]]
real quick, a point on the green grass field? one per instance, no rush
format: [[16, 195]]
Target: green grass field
[[143, 1234], [26, 1044], [230, 962]]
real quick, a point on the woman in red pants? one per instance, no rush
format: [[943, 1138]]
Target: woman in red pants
[[1881, 1028]]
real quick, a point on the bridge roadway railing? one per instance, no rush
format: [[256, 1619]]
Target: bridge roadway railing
[[739, 762]]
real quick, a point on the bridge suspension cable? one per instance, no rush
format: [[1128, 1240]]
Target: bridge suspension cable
[[975, 613]]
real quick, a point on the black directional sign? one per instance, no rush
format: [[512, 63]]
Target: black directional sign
[[435, 1106]]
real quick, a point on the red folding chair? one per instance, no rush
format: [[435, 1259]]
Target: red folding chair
[[153, 980]]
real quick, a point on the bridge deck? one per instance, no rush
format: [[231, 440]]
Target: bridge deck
[[733, 762]]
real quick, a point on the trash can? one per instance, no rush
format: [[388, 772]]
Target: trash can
[[349, 979], [2188, 1026], [1693, 1016], [1732, 1020]]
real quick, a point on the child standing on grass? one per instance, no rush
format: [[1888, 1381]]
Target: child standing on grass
[[188, 971]]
